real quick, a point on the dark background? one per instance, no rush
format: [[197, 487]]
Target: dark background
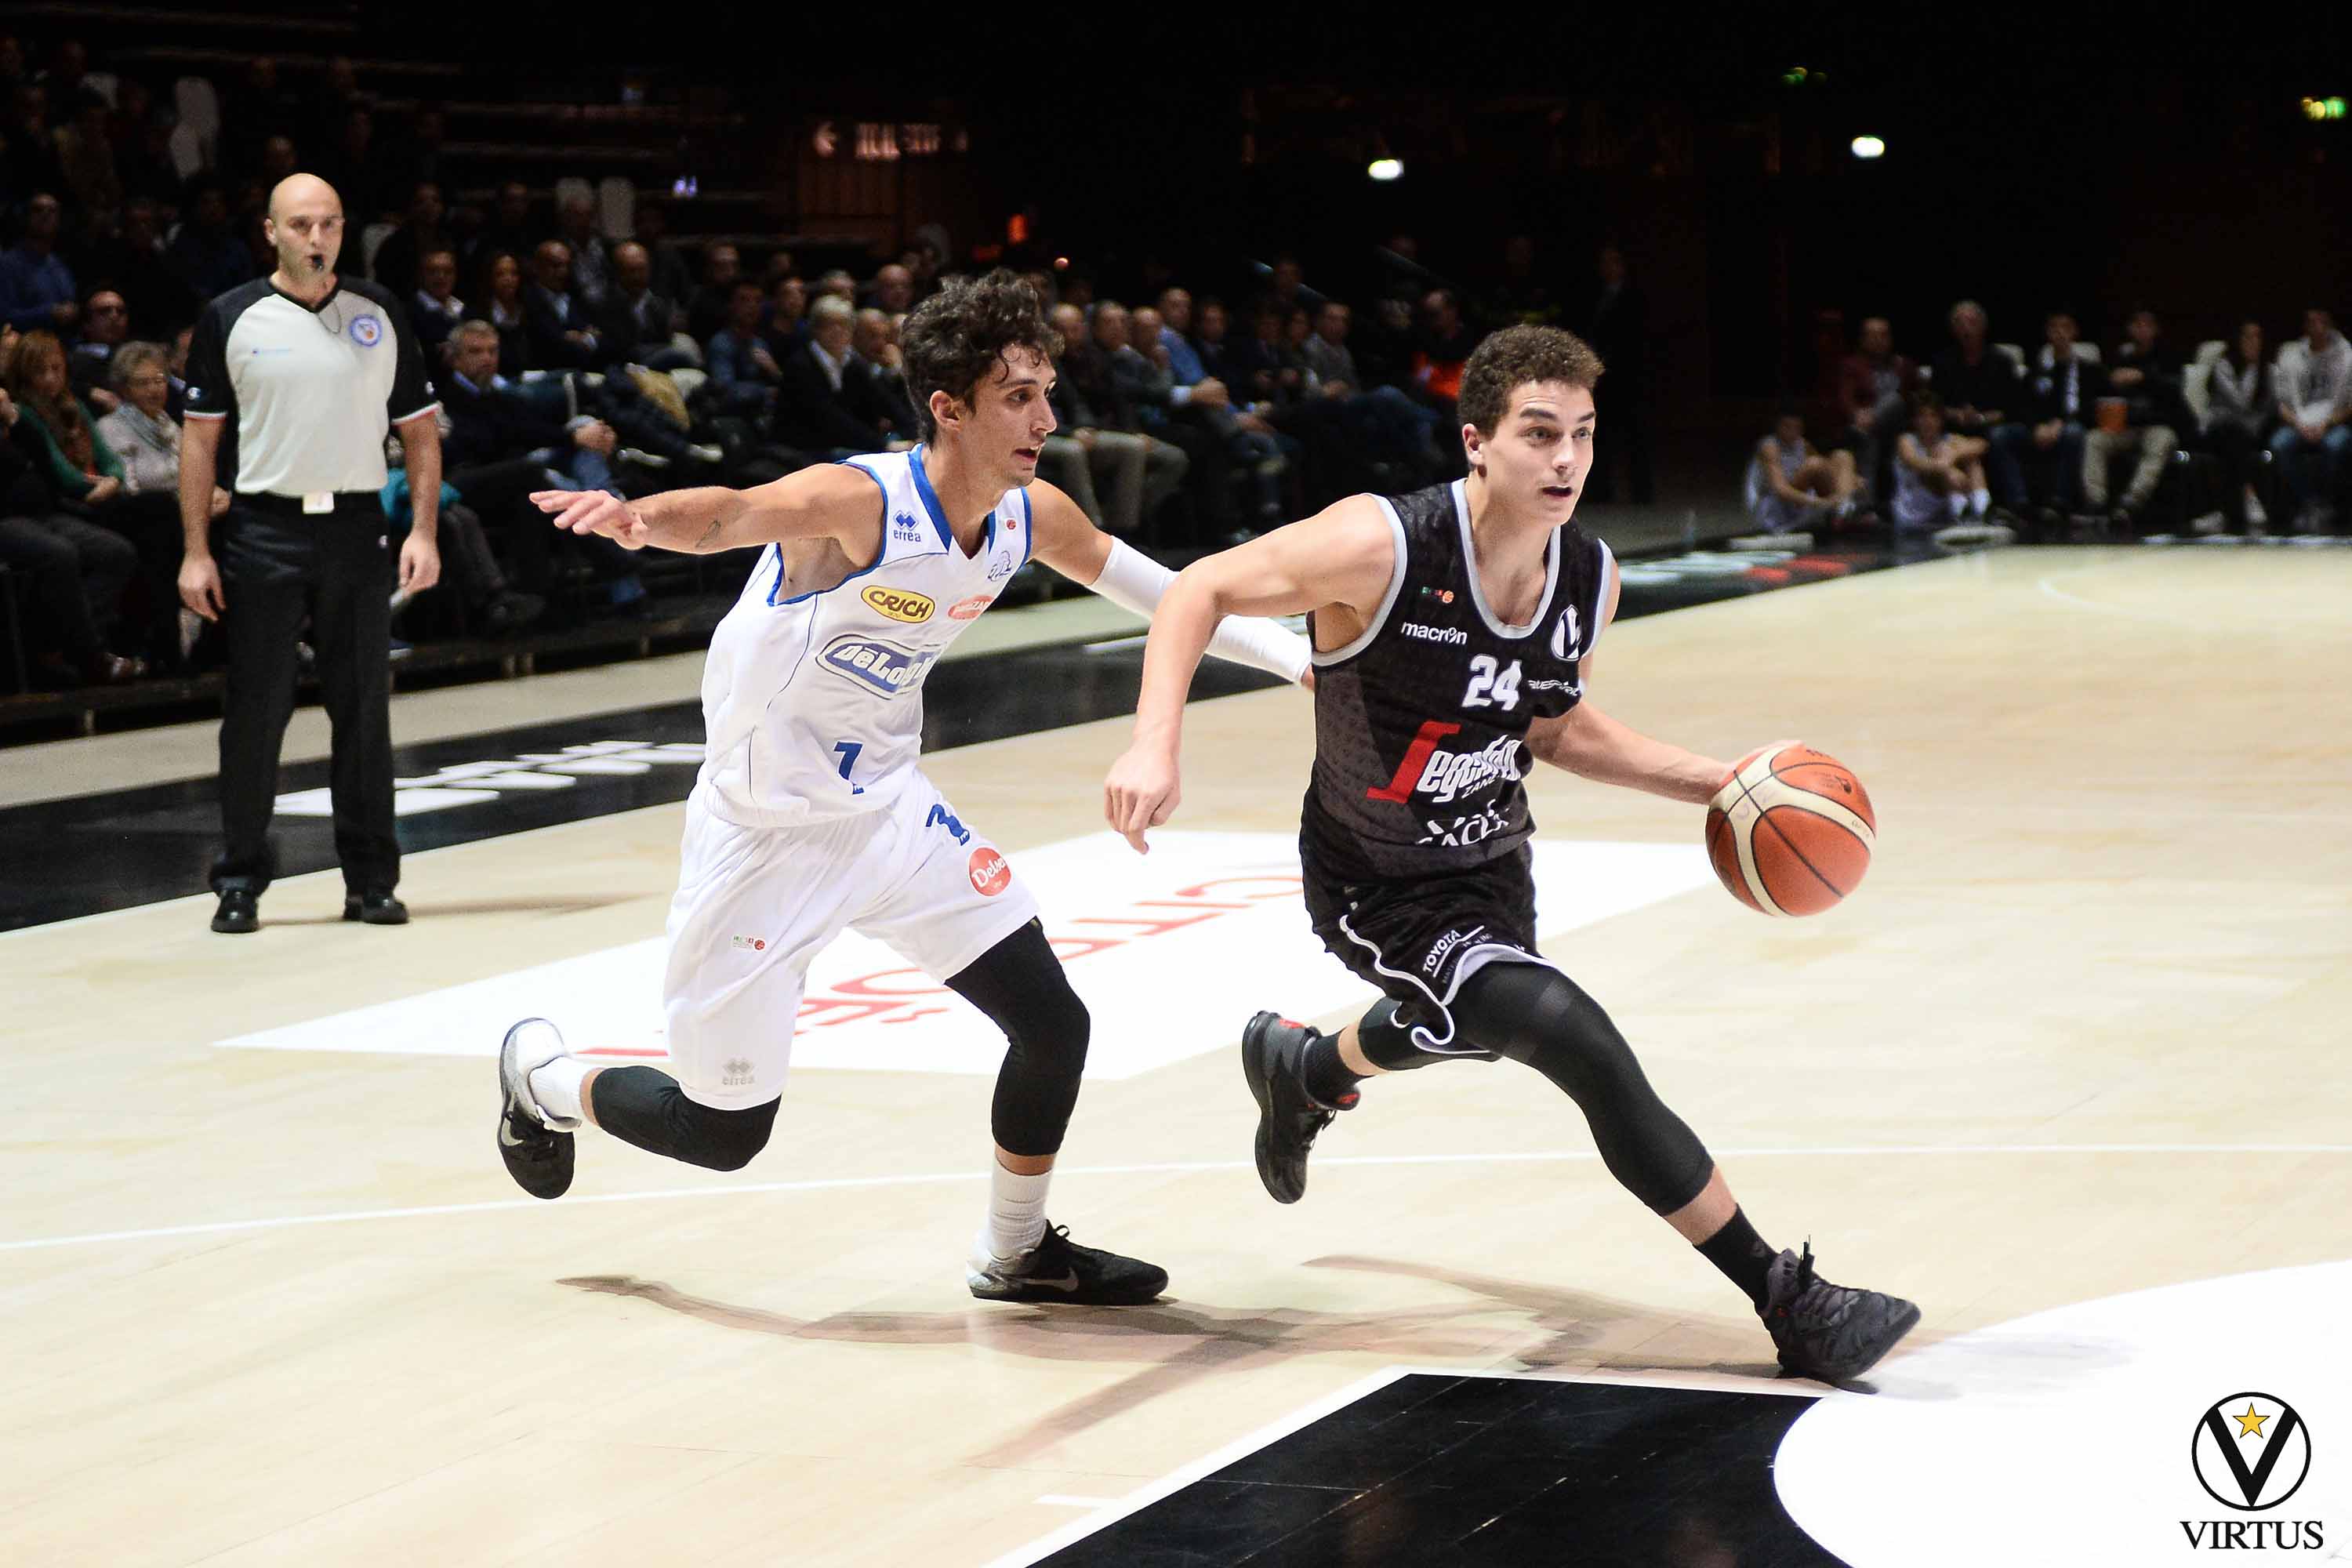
[[2091, 157]]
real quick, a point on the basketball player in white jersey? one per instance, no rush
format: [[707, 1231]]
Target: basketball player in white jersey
[[811, 815], [1454, 631]]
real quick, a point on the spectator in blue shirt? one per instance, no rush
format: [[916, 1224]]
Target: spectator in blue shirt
[[36, 288], [744, 373]]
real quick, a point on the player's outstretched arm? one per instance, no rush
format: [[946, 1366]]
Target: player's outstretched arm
[[1068, 541], [828, 500], [1339, 561], [1588, 742]]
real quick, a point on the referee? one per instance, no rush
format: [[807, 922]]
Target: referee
[[293, 381]]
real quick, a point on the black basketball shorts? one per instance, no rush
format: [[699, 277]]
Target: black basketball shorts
[[1419, 941]]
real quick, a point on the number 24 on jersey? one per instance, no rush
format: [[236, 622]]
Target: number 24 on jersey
[[1491, 687]]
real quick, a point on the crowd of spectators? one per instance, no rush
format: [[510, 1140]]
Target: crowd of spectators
[[1191, 414], [569, 355], [2062, 437]]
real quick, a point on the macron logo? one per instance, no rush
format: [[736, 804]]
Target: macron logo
[[1451, 634]]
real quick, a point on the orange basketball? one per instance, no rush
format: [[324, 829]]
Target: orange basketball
[[1790, 831]]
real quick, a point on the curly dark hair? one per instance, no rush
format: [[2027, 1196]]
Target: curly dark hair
[[1514, 357], [956, 337]]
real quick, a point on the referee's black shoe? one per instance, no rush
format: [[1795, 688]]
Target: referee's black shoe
[[239, 913], [1059, 1270], [1274, 1052], [1834, 1333], [376, 908]]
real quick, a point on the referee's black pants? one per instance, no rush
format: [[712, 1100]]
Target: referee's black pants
[[275, 563]]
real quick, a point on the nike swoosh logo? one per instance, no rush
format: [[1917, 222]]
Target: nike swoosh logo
[[1066, 1282]]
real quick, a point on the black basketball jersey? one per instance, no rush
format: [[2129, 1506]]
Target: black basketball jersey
[[1421, 723]]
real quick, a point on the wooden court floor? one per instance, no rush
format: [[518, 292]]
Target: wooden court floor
[[2081, 1033]]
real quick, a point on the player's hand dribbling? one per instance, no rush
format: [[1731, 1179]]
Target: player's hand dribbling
[[1141, 793], [594, 511]]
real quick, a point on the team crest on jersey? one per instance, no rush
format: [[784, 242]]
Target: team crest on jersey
[[900, 604], [1566, 635], [882, 667], [366, 330], [1000, 568]]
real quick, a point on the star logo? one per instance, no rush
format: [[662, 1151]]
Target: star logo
[[2261, 1463]]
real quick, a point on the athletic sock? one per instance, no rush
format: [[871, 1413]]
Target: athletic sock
[[1980, 501], [1016, 1210], [1742, 1256], [556, 1086], [1325, 1075]]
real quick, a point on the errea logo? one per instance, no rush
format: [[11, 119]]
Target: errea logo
[[905, 529]]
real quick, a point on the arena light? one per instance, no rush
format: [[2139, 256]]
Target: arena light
[[1385, 169], [1869, 147]]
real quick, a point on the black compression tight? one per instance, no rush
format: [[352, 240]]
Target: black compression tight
[[1019, 984], [1532, 1013], [644, 1106]]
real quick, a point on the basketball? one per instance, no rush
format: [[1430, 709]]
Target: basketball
[[1790, 831]]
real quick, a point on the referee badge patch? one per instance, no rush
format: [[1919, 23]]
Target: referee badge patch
[[366, 330]]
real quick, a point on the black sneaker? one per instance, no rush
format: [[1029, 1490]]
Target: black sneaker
[[1833, 1333], [538, 1156], [1288, 1118], [239, 913], [1059, 1270]]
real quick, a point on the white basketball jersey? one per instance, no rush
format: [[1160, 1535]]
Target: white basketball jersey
[[812, 703]]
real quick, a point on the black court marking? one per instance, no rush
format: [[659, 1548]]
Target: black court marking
[[90, 854], [121, 848], [1443, 1471]]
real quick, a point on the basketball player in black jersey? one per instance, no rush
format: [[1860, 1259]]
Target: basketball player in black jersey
[[1454, 631]]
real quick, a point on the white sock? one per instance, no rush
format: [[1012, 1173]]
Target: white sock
[[1980, 501], [556, 1086], [1016, 1210]]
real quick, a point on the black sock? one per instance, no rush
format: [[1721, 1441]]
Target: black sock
[[1330, 1079], [1742, 1256]]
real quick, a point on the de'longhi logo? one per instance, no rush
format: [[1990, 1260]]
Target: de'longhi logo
[[2251, 1450]]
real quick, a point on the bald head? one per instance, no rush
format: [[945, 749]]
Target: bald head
[[301, 190], [305, 227]]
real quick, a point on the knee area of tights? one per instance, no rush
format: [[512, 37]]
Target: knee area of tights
[[1058, 1033], [729, 1139]]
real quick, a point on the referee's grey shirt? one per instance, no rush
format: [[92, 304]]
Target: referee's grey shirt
[[308, 393]]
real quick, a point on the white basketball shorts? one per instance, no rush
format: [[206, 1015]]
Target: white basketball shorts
[[755, 905]]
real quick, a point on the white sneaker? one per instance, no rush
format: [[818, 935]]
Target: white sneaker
[[2212, 522], [529, 1046]]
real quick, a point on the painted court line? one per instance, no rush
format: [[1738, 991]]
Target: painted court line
[[1178, 1480], [1173, 1167]]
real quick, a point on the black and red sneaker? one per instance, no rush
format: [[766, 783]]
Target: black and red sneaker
[[1834, 1333], [1274, 1052]]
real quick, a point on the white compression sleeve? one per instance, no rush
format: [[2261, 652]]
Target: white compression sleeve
[[1133, 581]]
